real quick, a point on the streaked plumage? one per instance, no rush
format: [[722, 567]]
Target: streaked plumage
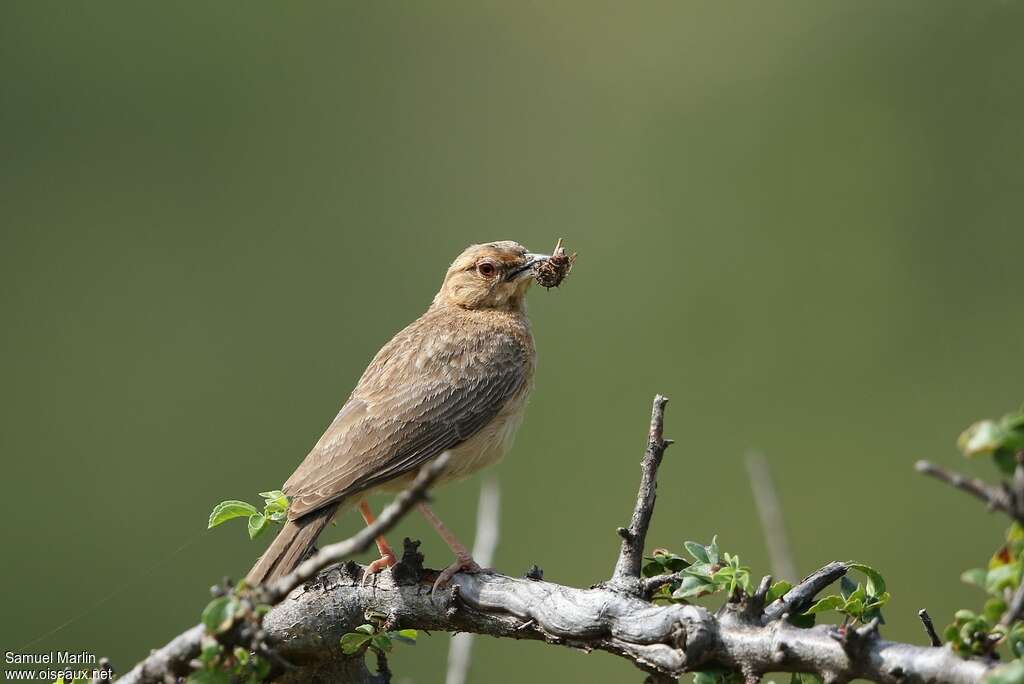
[[456, 380]]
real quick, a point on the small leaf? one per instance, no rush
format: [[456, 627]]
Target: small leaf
[[226, 510], [382, 642], [692, 587], [218, 613], [365, 629], [875, 584], [698, 551], [828, 603], [712, 550], [778, 590], [209, 677], [994, 609], [847, 586], [975, 576], [257, 523], [353, 642], [405, 636]]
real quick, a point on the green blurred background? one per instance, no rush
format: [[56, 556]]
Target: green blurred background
[[799, 220]]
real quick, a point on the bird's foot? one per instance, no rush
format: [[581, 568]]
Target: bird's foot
[[462, 564], [385, 561]]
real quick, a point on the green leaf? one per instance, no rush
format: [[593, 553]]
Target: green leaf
[[832, 602], [704, 678], [983, 437], [875, 584], [276, 502], [219, 613], [1002, 577], [365, 629], [405, 636], [778, 590], [353, 642], [712, 550], [226, 510], [700, 570], [994, 609], [382, 642], [257, 523], [209, 677], [975, 576], [209, 652], [698, 551], [692, 587]]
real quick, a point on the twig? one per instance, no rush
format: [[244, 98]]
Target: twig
[[461, 646], [173, 659], [1015, 611], [798, 598], [627, 568], [770, 510], [994, 497], [929, 627]]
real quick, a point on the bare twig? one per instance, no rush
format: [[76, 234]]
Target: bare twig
[[996, 498], [799, 598], [631, 553], [1015, 611], [461, 647], [173, 659], [929, 627], [770, 511]]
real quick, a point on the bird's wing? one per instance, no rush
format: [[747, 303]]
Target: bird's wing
[[421, 395]]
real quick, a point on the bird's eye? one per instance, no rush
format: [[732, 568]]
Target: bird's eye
[[487, 269]]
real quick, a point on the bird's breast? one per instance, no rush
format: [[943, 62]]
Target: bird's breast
[[490, 444]]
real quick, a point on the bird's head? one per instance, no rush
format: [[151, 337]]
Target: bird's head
[[494, 275]]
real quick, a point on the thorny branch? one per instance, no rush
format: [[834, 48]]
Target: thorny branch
[[665, 641], [174, 659]]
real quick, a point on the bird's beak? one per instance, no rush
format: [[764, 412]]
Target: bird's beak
[[526, 269]]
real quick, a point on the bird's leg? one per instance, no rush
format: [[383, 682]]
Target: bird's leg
[[463, 561], [387, 556]]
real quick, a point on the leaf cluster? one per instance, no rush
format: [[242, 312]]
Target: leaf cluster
[[374, 635], [275, 509]]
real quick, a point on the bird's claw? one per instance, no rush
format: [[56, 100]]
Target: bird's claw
[[466, 565], [376, 566]]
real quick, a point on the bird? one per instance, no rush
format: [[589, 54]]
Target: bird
[[455, 380]]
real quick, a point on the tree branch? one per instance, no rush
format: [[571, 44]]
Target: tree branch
[[626, 575], [316, 606], [665, 640], [173, 659], [800, 597], [995, 498]]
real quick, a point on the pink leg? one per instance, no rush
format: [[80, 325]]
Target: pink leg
[[387, 556], [463, 561]]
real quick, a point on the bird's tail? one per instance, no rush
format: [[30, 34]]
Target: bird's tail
[[290, 547]]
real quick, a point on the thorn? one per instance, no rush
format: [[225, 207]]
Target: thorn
[[624, 533], [870, 630], [535, 573], [929, 627], [780, 653]]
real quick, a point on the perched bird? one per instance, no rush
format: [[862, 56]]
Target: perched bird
[[454, 380]]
